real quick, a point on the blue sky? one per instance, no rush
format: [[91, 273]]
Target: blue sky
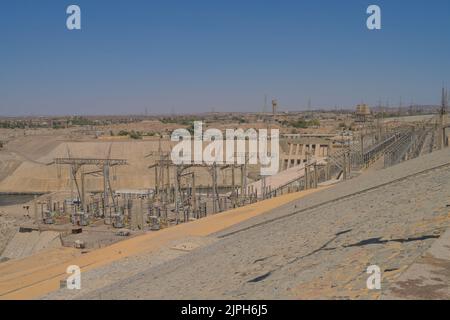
[[197, 55]]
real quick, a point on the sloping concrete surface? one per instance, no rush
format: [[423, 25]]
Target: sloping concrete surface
[[428, 277], [318, 247], [25, 244], [26, 284]]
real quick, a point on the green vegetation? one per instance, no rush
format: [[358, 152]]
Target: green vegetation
[[181, 121], [12, 125], [133, 134], [57, 125], [303, 124], [80, 121], [239, 119], [191, 128]]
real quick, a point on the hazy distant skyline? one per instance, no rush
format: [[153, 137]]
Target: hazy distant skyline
[[196, 56]]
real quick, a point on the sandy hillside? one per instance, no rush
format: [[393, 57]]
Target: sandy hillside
[[26, 164]]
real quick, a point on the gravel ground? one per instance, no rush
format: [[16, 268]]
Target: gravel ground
[[321, 252]]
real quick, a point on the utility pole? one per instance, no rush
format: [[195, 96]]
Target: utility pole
[[345, 165], [442, 114], [307, 182], [263, 187], [233, 185], [177, 186], [316, 176], [362, 144], [105, 185], [77, 163], [216, 202], [265, 104]]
